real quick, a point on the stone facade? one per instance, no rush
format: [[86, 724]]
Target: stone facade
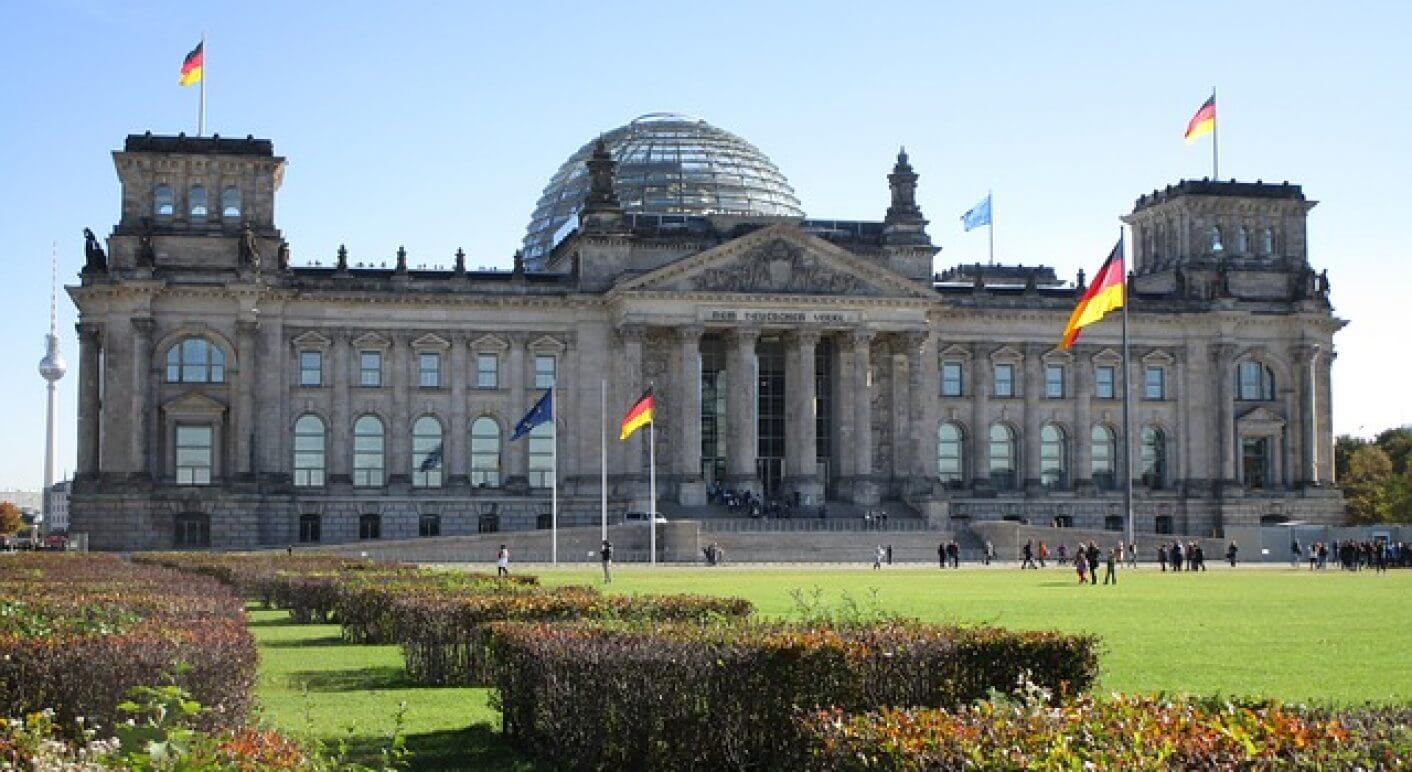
[[230, 399]]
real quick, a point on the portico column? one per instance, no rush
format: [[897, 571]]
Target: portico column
[[800, 419], [516, 453], [742, 410], [1225, 419], [923, 469], [340, 449], [143, 450], [88, 406], [243, 421], [865, 488], [691, 490], [1307, 358]]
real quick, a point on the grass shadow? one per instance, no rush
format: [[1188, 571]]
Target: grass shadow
[[277, 622], [476, 747], [301, 643], [362, 679]]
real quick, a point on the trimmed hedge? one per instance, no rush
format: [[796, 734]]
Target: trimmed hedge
[[718, 696], [366, 605], [77, 632], [446, 639], [1131, 733]]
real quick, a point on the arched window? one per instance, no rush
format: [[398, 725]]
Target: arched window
[[1216, 245], [309, 451], [541, 455], [485, 452], [195, 360], [1103, 452], [1154, 457], [1242, 241], [367, 451], [1002, 457], [950, 455], [427, 453], [197, 202], [370, 526], [163, 201], [1053, 457], [1267, 241], [310, 528], [230, 202], [1254, 382]]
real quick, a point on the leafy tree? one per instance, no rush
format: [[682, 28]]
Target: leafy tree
[[1365, 484], [1343, 448], [10, 520], [1397, 443]]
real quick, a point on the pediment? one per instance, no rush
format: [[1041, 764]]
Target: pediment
[[1057, 355], [489, 342], [431, 340], [1157, 358], [1108, 357], [193, 403], [778, 260], [1006, 353], [546, 344], [311, 339], [1259, 416], [956, 351], [372, 340]]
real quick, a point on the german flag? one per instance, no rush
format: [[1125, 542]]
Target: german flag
[[1203, 123], [1107, 292], [639, 415], [192, 66]]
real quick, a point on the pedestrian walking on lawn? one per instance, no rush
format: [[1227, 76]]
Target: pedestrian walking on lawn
[[1111, 575], [1132, 554], [1028, 552], [941, 554], [605, 554], [878, 558], [502, 561], [1081, 566], [989, 552], [1093, 555], [954, 550]]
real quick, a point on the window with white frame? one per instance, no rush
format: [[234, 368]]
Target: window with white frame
[[427, 453], [541, 455], [485, 452], [194, 454], [370, 369], [429, 370], [544, 371], [1002, 457], [311, 368], [1103, 451], [1104, 382], [951, 455], [487, 371], [1154, 382], [309, 451], [952, 373], [1004, 379], [368, 447], [1053, 457], [1054, 381], [196, 360], [1254, 382]]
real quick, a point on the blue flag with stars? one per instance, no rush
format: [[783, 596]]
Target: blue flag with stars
[[978, 215], [432, 461], [541, 413]]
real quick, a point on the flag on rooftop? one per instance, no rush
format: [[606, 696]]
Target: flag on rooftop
[[1107, 292], [1203, 123], [192, 66], [978, 215]]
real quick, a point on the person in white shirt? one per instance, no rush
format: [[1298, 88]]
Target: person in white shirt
[[502, 561]]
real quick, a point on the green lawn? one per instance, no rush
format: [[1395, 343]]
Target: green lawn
[[1331, 637]]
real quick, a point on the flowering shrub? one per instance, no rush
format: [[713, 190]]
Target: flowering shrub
[[654, 695], [1121, 732], [77, 632], [445, 638]]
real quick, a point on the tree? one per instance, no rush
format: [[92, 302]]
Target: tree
[[10, 520]]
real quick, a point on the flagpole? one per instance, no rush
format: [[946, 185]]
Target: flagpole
[[554, 478], [652, 486], [201, 116], [990, 231], [1215, 132], [603, 459], [1127, 401]]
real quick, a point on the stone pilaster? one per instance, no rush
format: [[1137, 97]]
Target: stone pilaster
[[1323, 413], [691, 490], [919, 431], [90, 338], [634, 457], [801, 428], [144, 424], [742, 410], [456, 442], [1224, 435], [399, 434], [1032, 385], [865, 486], [1306, 359], [980, 419], [516, 377], [340, 446], [243, 424], [1082, 443]]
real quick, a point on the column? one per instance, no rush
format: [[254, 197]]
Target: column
[[273, 449], [634, 455], [339, 450], [1225, 420], [922, 471], [742, 410], [1082, 442], [144, 446], [1306, 358], [1323, 415], [569, 394], [457, 439], [517, 452], [243, 424], [800, 419], [980, 417], [865, 488], [89, 342], [1033, 385], [399, 433], [690, 488]]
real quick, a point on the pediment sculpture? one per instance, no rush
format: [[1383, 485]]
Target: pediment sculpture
[[779, 267]]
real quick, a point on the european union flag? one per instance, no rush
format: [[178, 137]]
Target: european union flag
[[432, 461], [541, 413], [978, 215]]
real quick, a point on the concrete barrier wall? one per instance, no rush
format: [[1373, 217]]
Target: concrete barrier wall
[[1010, 537], [676, 542]]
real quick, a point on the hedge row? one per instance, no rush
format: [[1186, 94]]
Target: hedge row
[[446, 638], [727, 695], [77, 632], [1131, 733]]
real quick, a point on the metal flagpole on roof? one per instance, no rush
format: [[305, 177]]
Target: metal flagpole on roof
[[1215, 131], [1127, 401], [201, 117]]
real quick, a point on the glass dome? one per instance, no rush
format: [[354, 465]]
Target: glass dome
[[667, 164]]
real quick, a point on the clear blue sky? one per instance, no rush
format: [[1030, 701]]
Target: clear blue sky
[[437, 126]]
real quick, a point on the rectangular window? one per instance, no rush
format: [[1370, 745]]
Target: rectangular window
[[311, 368], [1054, 381], [193, 455], [429, 370], [951, 374], [1154, 383], [1005, 380], [487, 371], [370, 369], [544, 371], [1103, 382], [541, 456]]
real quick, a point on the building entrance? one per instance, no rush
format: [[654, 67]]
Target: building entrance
[[771, 402]]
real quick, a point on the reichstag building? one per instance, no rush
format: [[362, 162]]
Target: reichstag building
[[230, 398]]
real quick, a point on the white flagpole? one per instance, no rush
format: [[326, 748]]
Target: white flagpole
[[201, 119], [554, 475], [1127, 401], [990, 231], [1215, 134], [652, 484], [603, 459]]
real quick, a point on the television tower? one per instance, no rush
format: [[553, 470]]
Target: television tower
[[51, 368]]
